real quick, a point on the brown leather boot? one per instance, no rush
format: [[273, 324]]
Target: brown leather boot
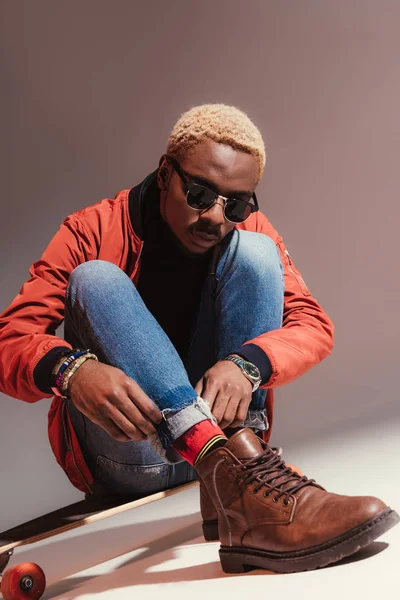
[[209, 512], [272, 518]]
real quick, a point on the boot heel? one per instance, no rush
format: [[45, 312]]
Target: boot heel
[[210, 530], [233, 564]]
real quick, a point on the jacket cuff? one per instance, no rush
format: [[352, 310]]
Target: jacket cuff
[[255, 355], [42, 371]]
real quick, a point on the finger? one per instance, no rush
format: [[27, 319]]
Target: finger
[[113, 431], [132, 414], [230, 412], [210, 392], [199, 387], [110, 412], [241, 412], [140, 428], [145, 404], [220, 406]]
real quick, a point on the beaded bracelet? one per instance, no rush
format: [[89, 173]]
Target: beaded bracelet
[[60, 368], [60, 361], [72, 369], [63, 364]]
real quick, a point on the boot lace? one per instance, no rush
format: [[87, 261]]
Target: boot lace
[[272, 473]]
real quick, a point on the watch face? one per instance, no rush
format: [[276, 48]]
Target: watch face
[[251, 370]]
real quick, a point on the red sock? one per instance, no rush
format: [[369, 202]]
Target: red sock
[[199, 440]]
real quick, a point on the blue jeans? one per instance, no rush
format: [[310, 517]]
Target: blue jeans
[[242, 298]]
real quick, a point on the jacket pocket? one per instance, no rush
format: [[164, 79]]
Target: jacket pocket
[[140, 480]]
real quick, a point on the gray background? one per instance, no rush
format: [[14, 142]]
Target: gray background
[[90, 92]]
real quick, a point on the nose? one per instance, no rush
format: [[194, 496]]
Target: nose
[[215, 213]]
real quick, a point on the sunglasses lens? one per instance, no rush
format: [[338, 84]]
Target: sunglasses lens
[[237, 211], [199, 197]]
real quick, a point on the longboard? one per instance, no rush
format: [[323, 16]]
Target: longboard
[[28, 580]]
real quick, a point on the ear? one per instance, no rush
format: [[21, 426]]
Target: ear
[[163, 173]]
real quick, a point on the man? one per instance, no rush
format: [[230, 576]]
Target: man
[[183, 310]]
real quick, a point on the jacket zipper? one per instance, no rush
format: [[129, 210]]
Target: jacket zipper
[[297, 276], [69, 446], [136, 266]]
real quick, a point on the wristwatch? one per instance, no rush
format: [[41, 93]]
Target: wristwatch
[[248, 369]]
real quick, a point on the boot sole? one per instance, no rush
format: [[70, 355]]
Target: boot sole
[[241, 559]]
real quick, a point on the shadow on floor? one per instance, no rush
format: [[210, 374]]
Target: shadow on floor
[[146, 572]]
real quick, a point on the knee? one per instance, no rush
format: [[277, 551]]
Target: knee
[[96, 274], [257, 254]]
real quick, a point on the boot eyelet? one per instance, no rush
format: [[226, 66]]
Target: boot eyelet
[[275, 500], [266, 494], [286, 502]]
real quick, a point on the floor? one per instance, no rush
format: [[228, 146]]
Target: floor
[[158, 550]]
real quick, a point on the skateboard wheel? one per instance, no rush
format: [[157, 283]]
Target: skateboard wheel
[[23, 582]]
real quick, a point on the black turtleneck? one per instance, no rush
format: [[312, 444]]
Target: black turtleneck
[[170, 281]]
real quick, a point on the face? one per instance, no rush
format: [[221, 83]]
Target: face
[[229, 172]]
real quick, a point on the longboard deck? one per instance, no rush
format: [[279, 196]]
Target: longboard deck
[[75, 515]]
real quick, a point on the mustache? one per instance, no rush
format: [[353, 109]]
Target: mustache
[[207, 229]]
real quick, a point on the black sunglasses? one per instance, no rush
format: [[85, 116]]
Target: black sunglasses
[[200, 197]]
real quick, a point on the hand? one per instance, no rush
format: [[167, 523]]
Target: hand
[[227, 391], [114, 401]]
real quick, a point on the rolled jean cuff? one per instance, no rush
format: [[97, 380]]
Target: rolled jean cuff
[[256, 419], [175, 424]]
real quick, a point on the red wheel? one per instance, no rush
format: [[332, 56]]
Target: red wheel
[[23, 582]]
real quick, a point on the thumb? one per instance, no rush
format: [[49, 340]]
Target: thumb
[[199, 387]]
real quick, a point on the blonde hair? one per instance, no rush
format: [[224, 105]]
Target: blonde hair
[[221, 123]]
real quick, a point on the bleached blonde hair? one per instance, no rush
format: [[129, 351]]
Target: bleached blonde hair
[[221, 123]]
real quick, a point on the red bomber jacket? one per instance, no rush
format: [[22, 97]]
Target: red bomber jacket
[[111, 230]]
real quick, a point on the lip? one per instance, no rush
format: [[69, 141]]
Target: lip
[[203, 239]]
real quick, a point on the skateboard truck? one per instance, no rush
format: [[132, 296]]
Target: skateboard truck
[[4, 559]]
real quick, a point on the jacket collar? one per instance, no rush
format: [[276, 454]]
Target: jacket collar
[[137, 198]]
